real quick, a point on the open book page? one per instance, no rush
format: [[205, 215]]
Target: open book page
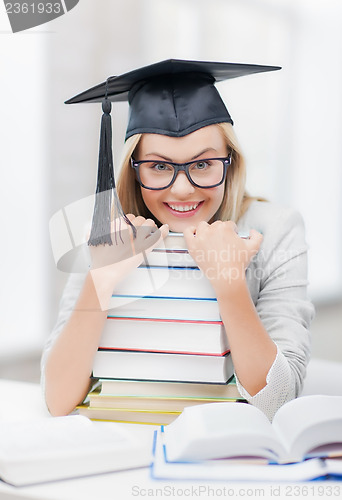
[[220, 430], [307, 423]]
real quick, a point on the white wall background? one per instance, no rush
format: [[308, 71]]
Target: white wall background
[[24, 308], [289, 124]]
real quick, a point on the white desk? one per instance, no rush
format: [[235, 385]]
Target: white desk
[[22, 401]]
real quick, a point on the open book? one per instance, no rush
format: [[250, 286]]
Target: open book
[[310, 426], [64, 447], [241, 470]]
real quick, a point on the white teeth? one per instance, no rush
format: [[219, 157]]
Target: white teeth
[[184, 208]]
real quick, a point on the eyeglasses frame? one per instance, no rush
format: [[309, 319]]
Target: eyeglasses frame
[[182, 167]]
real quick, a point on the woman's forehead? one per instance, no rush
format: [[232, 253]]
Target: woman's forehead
[[206, 139]]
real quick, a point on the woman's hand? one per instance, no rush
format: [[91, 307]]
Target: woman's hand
[[220, 252], [111, 263]]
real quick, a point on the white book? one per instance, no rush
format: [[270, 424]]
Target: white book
[[178, 308], [173, 241], [192, 337], [162, 366], [169, 258], [166, 282], [50, 449], [240, 470], [307, 427], [152, 388]]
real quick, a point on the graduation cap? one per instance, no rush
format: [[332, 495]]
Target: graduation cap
[[172, 97]]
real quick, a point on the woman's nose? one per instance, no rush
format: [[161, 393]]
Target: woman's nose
[[182, 186]]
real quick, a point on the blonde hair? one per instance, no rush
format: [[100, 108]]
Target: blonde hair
[[235, 201]]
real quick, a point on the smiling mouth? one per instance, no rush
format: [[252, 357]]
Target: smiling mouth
[[185, 207]]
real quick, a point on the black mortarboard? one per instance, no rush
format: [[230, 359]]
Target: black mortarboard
[[172, 97]]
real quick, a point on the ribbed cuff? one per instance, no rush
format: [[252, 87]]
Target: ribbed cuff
[[278, 389]]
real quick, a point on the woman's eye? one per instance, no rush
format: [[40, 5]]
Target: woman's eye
[[201, 165], [161, 167]]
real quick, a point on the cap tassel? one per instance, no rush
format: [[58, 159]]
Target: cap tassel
[[105, 190]]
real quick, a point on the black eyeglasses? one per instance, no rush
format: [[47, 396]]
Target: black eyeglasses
[[205, 173]]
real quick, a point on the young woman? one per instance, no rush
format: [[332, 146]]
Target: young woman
[[194, 183]]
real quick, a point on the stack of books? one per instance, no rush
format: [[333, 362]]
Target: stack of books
[[152, 402], [164, 345]]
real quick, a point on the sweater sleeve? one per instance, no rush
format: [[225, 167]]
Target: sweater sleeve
[[277, 278], [279, 387]]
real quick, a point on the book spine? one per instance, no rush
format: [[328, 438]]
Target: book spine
[[166, 320], [165, 335], [128, 365], [167, 282], [169, 258], [156, 351], [161, 307]]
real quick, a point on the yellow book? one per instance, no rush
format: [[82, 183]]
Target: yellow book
[[128, 415]]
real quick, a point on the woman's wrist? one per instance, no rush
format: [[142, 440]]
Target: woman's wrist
[[103, 285], [231, 287]]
